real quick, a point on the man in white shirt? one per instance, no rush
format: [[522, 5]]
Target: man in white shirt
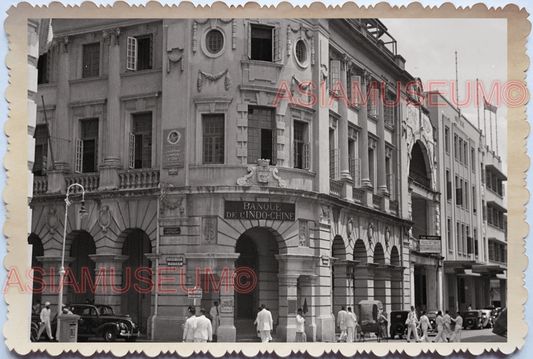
[[190, 326], [456, 337], [447, 321], [45, 322], [351, 322], [264, 324], [412, 323], [215, 315], [300, 326], [341, 323], [204, 330]]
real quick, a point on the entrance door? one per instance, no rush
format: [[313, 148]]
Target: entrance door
[[135, 302], [246, 303], [81, 247]]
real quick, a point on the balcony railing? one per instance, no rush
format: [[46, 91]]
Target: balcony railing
[[335, 187], [40, 185], [89, 181], [138, 179]]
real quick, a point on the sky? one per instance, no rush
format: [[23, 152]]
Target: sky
[[429, 46]]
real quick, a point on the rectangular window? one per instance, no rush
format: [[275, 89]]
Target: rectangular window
[[87, 147], [447, 139], [469, 241], [43, 69], [355, 163], [473, 159], [333, 155], [465, 153], [41, 150], [474, 204], [464, 239], [476, 244], [466, 199], [456, 146], [449, 235], [264, 43], [448, 186], [139, 53], [458, 238], [371, 167], [460, 150], [389, 110], [141, 141], [91, 60], [458, 191], [334, 74], [213, 138], [261, 134], [301, 145]]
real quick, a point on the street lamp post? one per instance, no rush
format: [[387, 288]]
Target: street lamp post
[[62, 268]]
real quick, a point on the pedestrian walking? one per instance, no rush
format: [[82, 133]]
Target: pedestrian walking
[[456, 336], [447, 320], [424, 326], [351, 322], [190, 326], [439, 321], [204, 331], [341, 323], [412, 322], [300, 327], [264, 324], [215, 319], [45, 322]]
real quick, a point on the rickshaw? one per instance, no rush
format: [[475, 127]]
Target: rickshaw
[[372, 319]]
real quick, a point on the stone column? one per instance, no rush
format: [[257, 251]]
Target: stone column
[[286, 330], [108, 279], [345, 175], [363, 153], [412, 289], [61, 150], [382, 179], [343, 293], [112, 124], [308, 293]]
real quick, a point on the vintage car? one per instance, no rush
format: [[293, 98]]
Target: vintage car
[[494, 312], [473, 319], [486, 314], [370, 320], [100, 320], [397, 323]]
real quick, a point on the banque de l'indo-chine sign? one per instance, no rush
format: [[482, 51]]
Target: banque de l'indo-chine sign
[[429, 244], [276, 211]]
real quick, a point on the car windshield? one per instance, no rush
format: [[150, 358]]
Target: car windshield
[[105, 310]]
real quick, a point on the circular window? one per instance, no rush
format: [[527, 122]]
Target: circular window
[[214, 41], [301, 51]]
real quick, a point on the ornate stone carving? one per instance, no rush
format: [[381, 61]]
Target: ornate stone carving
[[303, 234], [349, 227], [261, 175], [169, 202], [174, 56], [370, 232], [52, 220], [104, 218], [325, 214], [215, 77], [210, 229], [56, 42], [107, 34], [387, 237]]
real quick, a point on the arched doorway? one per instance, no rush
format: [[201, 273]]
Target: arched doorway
[[396, 280], [340, 281], [361, 278], [380, 279], [257, 248], [81, 247], [37, 251], [137, 302]]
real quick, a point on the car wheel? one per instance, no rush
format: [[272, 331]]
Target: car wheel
[[131, 339], [109, 335], [398, 330]]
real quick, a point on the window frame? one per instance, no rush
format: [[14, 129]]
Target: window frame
[[133, 53], [84, 47], [221, 136]]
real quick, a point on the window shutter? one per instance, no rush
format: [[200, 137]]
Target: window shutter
[[306, 156], [355, 95], [79, 159], [334, 73], [151, 51], [469, 245], [131, 56], [459, 196], [476, 247], [249, 41], [276, 44], [357, 173], [132, 151]]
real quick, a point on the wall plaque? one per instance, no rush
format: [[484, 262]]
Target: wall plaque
[[173, 148], [276, 211]]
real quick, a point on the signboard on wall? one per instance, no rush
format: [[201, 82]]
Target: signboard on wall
[[275, 211], [226, 305], [173, 148], [429, 244]]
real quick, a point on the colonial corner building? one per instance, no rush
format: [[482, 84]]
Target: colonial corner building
[[190, 160]]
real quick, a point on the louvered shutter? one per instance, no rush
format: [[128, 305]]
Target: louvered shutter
[[132, 151], [355, 94], [357, 173], [276, 44], [306, 156], [79, 159], [151, 51], [131, 55], [334, 73], [249, 41]]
